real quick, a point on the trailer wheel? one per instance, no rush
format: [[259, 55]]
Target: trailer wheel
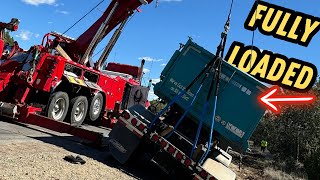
[[58, 105], [96, 105], [78, 111]]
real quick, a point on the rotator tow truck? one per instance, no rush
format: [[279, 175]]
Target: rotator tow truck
[[54, 82]]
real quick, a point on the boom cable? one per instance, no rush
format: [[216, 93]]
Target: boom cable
[[82, 17], [254, 29], [123, 28], [214, 87]]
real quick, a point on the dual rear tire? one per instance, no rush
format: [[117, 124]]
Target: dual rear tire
[[58, 105], [78, 110], [59, 108], [96, 105]]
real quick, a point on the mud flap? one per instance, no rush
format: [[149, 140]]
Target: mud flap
[[122, 143]]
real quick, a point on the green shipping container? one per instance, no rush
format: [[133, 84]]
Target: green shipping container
[[238, 111]]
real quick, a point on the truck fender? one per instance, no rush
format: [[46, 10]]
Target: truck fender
[[104, 97], [54, 85]]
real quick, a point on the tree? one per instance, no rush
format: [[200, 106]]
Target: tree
[[293, 135], [8, 39], [156, 106], [312, 165]]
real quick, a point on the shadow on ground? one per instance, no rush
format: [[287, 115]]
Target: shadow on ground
[[140, 168]]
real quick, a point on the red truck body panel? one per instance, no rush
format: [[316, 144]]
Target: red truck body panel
[[124, 68], [1, 47]]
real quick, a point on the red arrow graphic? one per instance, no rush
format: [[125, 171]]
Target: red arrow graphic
[[271, 101]]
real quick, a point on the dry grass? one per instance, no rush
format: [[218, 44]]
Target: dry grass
[[270, 173], [257, 165]]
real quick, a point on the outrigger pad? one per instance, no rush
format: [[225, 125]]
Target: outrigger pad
[[74, 160], [122, 143], [218, 170]]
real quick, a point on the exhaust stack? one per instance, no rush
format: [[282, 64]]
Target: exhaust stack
[[141, 70]]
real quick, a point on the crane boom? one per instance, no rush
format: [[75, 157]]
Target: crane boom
[[11, 26], [117, 12]]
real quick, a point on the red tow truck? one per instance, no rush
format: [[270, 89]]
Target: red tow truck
[[54, 82]]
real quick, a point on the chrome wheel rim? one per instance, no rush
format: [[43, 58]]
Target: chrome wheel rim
[[58, 109], [79, 111], [96, 106]]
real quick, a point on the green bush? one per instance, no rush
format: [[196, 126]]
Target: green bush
[[294, 135], [312, 165], [8, 38]]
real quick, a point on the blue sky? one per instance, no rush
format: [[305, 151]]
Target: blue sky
[[155, 33]]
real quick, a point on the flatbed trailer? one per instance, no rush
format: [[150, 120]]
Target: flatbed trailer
[[176, 138], [131, 134]]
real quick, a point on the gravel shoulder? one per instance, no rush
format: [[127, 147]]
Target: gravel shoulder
[[32, 153], [38, 160]]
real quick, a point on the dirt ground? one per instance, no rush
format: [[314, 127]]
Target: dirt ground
[[247, 172], [38, 160], [259, 165], [30, 152], [252, 166]]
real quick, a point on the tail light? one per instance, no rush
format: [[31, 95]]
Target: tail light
[[163, 144], [187, 162], [171, 149], [155, 137], [141, 127], [179, 155], [134, 121], [126, 115], [203, 174]]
